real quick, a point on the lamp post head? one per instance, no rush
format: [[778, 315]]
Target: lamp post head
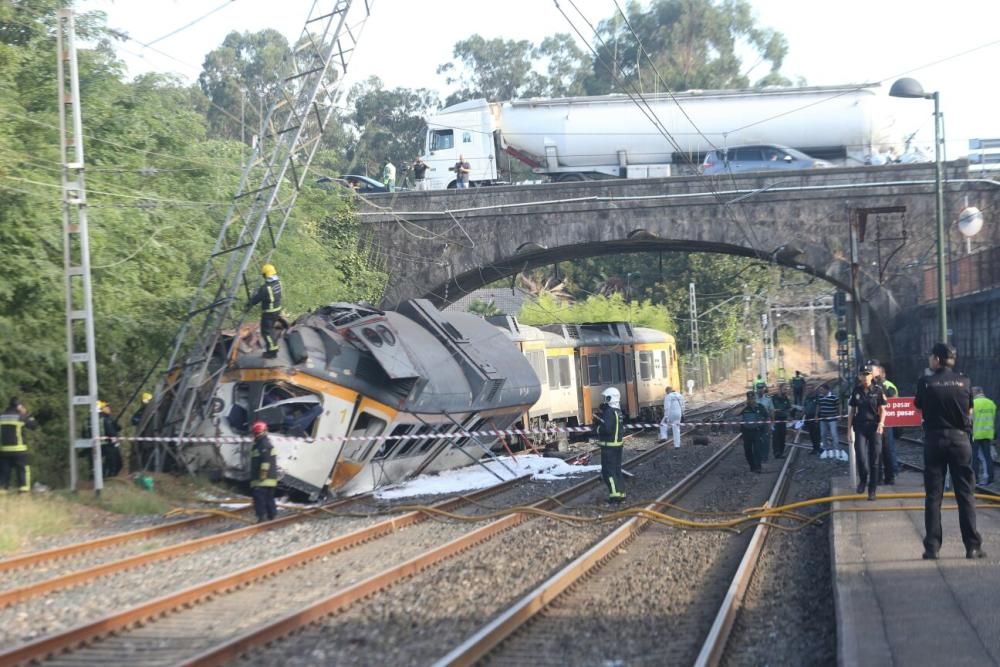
[[908, 88]]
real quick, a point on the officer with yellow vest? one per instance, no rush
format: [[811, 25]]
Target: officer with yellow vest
[[984, 415], [263, 473], [13, 450], [610, 434], [268, 296]]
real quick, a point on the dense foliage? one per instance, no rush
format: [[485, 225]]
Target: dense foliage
[[164, 157], [160, 171]]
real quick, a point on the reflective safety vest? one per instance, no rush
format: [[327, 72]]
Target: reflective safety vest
[[610, 429], [268, 296], [12, 433], [984, 414], [890, 388], [263, 463]]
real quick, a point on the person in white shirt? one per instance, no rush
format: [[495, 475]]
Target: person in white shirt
[[673, 411]]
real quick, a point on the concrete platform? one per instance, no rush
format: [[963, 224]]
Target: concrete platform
[[893, 607]]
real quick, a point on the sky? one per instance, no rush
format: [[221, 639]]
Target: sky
[[848, 41]]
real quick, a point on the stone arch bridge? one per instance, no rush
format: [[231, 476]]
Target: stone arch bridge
[[443, 244]]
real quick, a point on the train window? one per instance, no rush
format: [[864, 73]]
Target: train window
[[564, 374], [462, 442], [645, 367], [663, 360], [537, 360], [606, 375], [594, 370], [389, 443], [629, 363], [553, 368], [372, 336], [410, 443], [387, 335], [366, 428], [442, 140]]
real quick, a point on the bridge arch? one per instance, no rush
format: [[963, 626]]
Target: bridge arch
[[442, 245]]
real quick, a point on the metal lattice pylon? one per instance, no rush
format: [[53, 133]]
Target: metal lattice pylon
[[76, 254], [257, 217]]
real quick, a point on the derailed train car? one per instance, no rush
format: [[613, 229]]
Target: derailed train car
[[367, 397], [575, 363]]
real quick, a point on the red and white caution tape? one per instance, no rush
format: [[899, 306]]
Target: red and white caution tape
[[491, 433]]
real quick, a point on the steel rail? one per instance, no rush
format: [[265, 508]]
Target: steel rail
[[35, 557], [718, 636], [340, 599], [486, 639], [148, 611], [21, 593]]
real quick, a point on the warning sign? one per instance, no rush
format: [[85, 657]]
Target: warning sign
[[902, 412]]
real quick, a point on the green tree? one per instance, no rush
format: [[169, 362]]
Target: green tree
[[596, 308], [684, 44], [241, 78], [495, 69], [484, 308], [387, 124]]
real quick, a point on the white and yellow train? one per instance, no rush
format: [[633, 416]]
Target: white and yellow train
[[367, 398]]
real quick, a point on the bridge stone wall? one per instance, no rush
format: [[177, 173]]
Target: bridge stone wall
[[443, 244]]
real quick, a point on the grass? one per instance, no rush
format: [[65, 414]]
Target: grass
[[29, 516], [26, 517]]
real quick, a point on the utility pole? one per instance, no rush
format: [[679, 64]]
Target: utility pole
[[76, 255], [695, 344]]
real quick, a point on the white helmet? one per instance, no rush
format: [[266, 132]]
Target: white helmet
[[612, 397]]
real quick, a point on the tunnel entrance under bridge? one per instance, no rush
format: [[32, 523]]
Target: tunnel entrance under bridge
[[443, 244]]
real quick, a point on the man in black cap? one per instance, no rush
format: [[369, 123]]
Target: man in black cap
[[945, 399], [866, 414]]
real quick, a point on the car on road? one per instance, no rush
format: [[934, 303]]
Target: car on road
[[740, 159], [361, 184]]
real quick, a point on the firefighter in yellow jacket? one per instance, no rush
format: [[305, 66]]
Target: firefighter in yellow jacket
[[610, 434], [268, 296], [263, 473], [13, 450]]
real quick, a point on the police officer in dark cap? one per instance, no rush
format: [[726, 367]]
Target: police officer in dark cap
[[945, 398], [866, 417]]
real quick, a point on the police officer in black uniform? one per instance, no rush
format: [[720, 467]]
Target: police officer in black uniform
[[945, 399], [866, 414]]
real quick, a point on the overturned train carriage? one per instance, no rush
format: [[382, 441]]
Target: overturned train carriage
[[359, 398]]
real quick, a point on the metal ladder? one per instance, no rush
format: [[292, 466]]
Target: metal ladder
[[261, 207], [76, 254]]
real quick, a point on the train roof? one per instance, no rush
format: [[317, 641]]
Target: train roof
[[649, 335], [416, 359]]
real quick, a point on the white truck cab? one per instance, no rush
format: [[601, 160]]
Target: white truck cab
[[465, 130]]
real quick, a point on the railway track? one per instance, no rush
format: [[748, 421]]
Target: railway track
[[125, 551], [540, 628], [228, 603]]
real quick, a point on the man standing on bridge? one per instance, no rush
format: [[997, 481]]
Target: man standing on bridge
[[462, 171], [945, 399]]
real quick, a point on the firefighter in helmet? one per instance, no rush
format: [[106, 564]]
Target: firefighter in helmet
[[609, 434], [263, 473], [268, 295]]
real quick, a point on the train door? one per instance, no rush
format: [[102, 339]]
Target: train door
[[627, 355], [371, 420]]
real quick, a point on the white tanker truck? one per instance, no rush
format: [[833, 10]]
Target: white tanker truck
[[609, 136]]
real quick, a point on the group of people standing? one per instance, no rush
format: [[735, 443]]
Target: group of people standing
[[764, 423], [461, 168]]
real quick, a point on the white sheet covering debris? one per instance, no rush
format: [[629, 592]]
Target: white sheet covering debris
[[475, 477]]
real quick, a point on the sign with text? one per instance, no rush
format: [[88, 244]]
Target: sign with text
[[902, 412]]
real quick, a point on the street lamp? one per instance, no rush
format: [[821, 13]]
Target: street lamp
[[911, 88]]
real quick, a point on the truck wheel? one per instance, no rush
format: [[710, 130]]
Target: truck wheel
[[570, 178]]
